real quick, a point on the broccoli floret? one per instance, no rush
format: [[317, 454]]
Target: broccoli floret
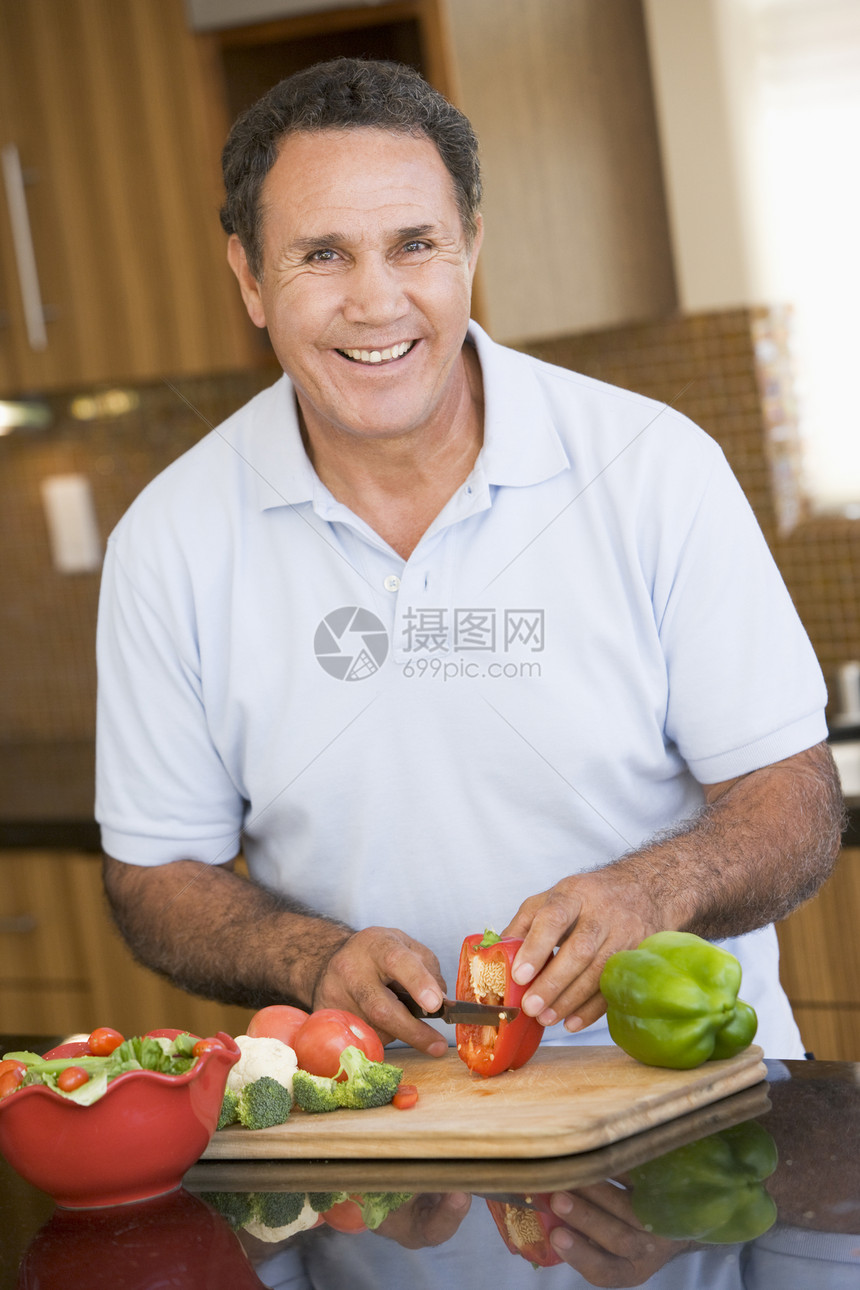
[[229, 1110], [236, 1206], [314, 1092], [278, 1208], [323, 1200], [263, 1104], [376, 1206], [367, 1083]]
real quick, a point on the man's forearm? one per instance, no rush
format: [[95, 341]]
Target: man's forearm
[[756, 851], [218, 935]]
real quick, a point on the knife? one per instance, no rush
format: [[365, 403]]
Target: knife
[[464, 1012]]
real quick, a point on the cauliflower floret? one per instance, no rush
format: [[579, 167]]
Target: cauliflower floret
[[262, 1056], [308, 1217]]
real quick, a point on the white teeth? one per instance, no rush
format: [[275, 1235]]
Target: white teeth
[[378, 355]]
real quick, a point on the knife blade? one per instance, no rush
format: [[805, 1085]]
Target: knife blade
[[463, 1012]]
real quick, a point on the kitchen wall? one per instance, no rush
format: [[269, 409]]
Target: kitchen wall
[[728, 370], [47, 618]]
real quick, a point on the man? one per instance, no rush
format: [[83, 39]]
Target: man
[[444, 637]]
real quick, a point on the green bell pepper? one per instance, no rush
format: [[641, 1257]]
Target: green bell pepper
[[711, 1190], [673, 1001]]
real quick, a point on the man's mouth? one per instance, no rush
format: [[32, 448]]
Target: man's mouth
[[378, 355]]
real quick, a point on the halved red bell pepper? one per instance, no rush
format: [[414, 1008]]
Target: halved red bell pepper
[[525, 1228], [484, 974]]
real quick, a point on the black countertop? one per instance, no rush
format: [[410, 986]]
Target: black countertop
[[47, 795], [446, 1237]]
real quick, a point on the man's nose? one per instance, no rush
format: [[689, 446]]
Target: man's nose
[[375, 292]]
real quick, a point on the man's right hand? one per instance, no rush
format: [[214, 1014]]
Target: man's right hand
[[357, 976], [261, 948]]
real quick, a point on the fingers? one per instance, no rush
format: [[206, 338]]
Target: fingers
[[429, 1219], [584, 919], [357, 977], [602, 1238], [543, 921]]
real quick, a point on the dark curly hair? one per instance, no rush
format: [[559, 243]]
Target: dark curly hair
[[345, 93]]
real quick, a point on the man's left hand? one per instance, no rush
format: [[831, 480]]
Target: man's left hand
[[589, 917]]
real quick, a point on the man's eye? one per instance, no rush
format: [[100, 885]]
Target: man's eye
[[416, 246], [325, 255]]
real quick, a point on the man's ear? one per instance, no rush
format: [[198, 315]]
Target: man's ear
[[248, 284]]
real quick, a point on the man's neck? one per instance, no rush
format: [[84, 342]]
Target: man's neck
[[398, 485]]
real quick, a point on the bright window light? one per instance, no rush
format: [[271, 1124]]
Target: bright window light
[[806, 173]]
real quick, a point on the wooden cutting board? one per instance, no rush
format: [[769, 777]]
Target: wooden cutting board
[[565, 1100]]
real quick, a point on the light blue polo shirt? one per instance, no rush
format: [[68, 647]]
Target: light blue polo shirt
[[592, 627]]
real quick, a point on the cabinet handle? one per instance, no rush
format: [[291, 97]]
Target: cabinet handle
[[18, 925], [25, 255]]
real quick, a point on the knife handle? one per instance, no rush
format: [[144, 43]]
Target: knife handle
[[409, 1003]]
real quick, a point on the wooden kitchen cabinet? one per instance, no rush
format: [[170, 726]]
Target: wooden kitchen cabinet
[[111, 106], [820, 963], [64, 967]]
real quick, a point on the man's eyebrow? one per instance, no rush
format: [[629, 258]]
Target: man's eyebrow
[[414, 231], [318, 242]]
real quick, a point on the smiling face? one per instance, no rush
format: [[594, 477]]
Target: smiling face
[[366, 282]]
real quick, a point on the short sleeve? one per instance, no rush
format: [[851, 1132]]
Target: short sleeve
[[745, 687], [162, 790]]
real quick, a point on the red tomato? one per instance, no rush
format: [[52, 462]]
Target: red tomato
[[71, 1078], [11, 1075], [320, 1041], [406, 1096], [206, 1046], [104, 1040], [345, 1217], [278, 1021]]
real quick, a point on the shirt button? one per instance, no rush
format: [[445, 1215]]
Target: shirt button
[[392, 582]]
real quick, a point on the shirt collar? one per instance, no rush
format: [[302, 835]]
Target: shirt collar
[[521, 444], [270, 442]]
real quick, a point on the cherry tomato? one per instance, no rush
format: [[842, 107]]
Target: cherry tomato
[[71, 1078], [278, 1021], [320, 1041], [104, 1040], [406, 1096], [11, 1075], [206, 1046], [345, 1217]]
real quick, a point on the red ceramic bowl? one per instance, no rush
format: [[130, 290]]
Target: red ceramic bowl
[[169, 1241], [135, 1142]]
